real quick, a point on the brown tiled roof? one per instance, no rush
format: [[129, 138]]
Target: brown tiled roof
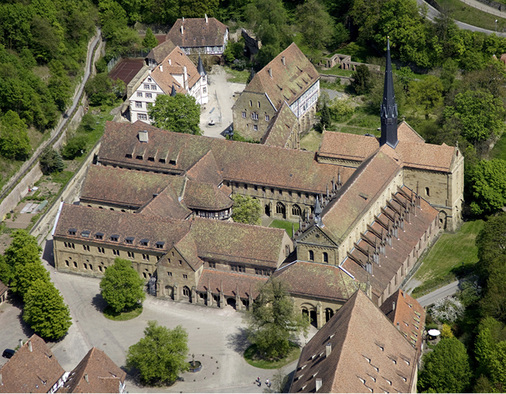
[[285, 78], [206, 170], [167, 203], [110, 185], [32, 369], [359, 192], [220, 240], [205, 196], [230, 283], [122, 224], [411, 149], [197, 33], [367, 353], [96, 373], [188, 250], [327, 281], [415, 225], [240, 162], [407, 315], [347, 146], [161, 51], [281, 127], [165, 73]]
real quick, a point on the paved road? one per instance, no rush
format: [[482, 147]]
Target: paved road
[[438, 294]]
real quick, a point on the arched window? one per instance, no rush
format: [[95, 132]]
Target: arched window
[[325, 257], [427, 192], [311, 255], [296, 210], [280, 208]]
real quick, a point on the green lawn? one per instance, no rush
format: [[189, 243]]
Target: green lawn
[[311, 141], [122, 316], [452, 254], [250, 354], [286, 225], [499, 151], [237, 76], [473, 16]]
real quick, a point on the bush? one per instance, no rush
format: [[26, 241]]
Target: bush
[[51, 161], [75, 147]]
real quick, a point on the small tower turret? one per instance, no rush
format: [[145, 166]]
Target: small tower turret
[[389, 107]]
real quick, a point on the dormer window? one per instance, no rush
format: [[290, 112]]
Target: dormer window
[[139, 157], [129, 240], [144, 242], [114, 238], [85, 233], [72, 231], [99, 235], [172, 162], [128, 155], [159, 244]]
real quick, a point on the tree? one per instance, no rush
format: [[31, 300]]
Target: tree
[[491, 243], [487, 183], [51, 161], [14, 142], [179, 113], [246, 209], [6, 271], [361, 82], [100, 90], [23, 249], [25, 275], [45, 310], [479, 115], [161, 355], [75, 147], [149, 40], [274, 321], [315, 23], [325, 117], [122, 287], [446, 369]]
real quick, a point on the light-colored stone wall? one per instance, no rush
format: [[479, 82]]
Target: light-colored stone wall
[[252, 110], [323, 307]]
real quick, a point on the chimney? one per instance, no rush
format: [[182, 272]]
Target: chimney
[[86, 378], [318, 383], [206, 18], [20, 342], [283, 60], [270, 72], [328, 349], [30, 348], [182, 28], [1, 381], [143, 136], [185, 78], [161, 68], [170, 62], [393, 306]]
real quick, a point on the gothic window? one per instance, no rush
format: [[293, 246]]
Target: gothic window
[[280, 208], [311, 255], [296, 210]]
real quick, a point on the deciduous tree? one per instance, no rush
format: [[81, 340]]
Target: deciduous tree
[[51, 161], [315, 23], [14, 142], [487, 183], [246, 209], [274, 321], [122, 287], [45, 310], [446, 369], [161, 355], [361, 80], [179, 113]]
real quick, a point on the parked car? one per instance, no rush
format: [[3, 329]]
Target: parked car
[[8, 353]]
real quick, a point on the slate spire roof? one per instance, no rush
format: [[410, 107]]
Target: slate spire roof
[[200, 67], [389, 107]]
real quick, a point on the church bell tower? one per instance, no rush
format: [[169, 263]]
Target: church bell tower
[[389, 107]]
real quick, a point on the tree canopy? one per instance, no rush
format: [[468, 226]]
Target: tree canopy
[[179, 113], [45, 310], [274, 321], [161, 355], [149, 40], [446, 369], [14, 142], [487, 183], [246, 209], [122, 287]]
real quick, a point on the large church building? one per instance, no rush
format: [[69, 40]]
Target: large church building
[[367, 207]]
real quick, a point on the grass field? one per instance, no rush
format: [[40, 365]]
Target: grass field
[[499, 151], [250, 354], [237, 76], [286, 225], [473, 16], [452, 254], [311, 141]]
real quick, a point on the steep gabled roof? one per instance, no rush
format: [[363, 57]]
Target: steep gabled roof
[[206, 196], [170, 72], [206, 170], [366, 353], [407, 315], [96, 373], [281, 127], [285, 78], [32, 369], [168, 204], [289, 169], [161, 51], [197, 32]]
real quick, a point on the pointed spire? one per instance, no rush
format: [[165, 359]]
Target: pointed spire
[[200, 67], [317, 211], [173, 91], [389, 107]]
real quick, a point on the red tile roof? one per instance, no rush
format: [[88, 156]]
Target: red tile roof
[[366, 354], [32, 369], [96, 373], [285, 78], [281, 127], [197, 32]]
